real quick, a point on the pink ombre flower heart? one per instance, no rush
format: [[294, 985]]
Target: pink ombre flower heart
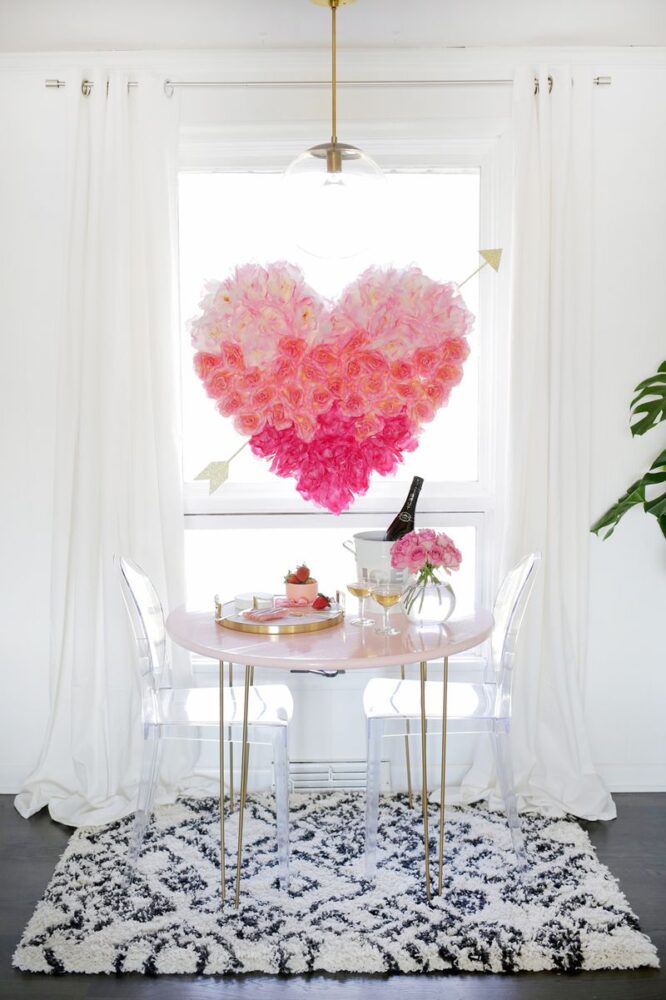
[[330, 392]]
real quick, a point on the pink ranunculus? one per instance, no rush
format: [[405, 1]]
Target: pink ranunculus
[[230, 403], [320, 399], [372, 361], [263, 397], [251, 378], [409, 390], [279, 417], [352, 368], [372, 385], [233, 355], [402, 371], [449, 373], [219, 381], [455, 350], [324, 356], [249, 423], [291, 347], [204, 363], [426, 360], [353, 405]]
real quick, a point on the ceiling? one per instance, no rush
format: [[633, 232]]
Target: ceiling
[[52, 25]]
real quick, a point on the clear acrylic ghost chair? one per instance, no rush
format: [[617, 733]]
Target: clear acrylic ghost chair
[[471, 708], [194, 714]]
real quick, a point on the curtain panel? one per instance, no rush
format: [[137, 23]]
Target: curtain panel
[[117, 487], [546, 505]]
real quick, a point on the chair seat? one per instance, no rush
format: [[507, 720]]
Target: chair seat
[[395, 699], [268, 705]]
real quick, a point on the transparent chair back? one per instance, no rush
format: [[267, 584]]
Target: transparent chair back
[[508, 611], [147, 617], [193, 713]]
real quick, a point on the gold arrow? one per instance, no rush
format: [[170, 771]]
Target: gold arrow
[[492, 257], [217, 473]]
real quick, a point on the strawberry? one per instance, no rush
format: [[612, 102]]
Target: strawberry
[[303, 574], [291, 578], [320, 602]]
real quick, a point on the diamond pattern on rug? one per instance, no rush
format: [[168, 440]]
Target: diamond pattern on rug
[[565, 913]]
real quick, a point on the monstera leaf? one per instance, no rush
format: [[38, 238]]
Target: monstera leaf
[[648, 408], [635, 495]]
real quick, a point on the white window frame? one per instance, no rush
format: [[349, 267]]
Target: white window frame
[[470, 503]]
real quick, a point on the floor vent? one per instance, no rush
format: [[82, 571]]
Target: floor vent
[[326, 775]]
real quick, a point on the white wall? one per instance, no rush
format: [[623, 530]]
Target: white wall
[[32, 185], [626, 670], [86, 25], [625, 677]]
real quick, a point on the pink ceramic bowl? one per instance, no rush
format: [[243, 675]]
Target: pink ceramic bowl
[[295, 591]]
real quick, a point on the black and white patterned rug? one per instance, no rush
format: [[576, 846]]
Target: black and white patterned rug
[[565, 913]]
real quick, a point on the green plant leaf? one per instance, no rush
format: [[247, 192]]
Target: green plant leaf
[[635, 495], [648, 407]]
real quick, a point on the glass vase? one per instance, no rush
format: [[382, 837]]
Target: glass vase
[[428, 603]]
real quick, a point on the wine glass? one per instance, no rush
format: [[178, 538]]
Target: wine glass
[[361, 590], [386, 595]]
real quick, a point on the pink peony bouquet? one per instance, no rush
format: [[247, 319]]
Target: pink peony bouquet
[[425, 551]]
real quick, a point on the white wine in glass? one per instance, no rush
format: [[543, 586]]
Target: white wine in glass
[[387, 596], [361, 590]]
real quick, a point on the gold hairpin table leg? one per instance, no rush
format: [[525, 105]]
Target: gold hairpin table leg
[[424, 778], [243, 787], [231, 748], [407, 760], [442, 779], [222, 851]]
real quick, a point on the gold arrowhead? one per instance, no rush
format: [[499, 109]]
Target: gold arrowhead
[[216, 473], [492, 257]]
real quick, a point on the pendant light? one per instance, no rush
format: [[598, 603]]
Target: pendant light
[[334, 189]]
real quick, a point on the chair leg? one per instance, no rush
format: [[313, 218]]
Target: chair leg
[[150, 763], [281, 769], [504, 764], [373, 769]]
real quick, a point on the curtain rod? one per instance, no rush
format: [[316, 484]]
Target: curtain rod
[[171, 85]]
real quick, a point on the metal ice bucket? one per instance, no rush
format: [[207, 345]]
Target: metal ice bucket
[[373, 557]]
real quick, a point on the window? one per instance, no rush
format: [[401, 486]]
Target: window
[[229, 218]]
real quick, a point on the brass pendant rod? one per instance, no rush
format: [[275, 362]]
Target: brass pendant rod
[[334, 71]]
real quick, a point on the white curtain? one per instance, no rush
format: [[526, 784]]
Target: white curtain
[[117, 478], [547, 503]]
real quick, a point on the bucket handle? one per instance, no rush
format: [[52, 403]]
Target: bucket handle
[[349, 546]]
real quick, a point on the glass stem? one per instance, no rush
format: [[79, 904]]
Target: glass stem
[[361, 607], [386, 620]]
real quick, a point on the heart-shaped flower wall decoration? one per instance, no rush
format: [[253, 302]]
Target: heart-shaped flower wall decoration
[[330, 392]]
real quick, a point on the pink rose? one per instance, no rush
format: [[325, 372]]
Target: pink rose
[[233, 355]]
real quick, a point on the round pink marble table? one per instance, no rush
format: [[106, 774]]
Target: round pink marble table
[[343, 647]]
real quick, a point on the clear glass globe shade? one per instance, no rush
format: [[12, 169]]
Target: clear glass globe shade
[[334, 196]]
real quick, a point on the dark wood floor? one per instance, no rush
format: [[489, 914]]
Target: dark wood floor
[[633, 846]]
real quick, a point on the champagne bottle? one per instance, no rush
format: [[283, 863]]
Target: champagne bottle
[[404, 521]]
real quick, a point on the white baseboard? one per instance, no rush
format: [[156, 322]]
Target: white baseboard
[[634, 777], [12, 777]]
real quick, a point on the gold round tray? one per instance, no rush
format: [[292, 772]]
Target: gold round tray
[[280, 627]]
